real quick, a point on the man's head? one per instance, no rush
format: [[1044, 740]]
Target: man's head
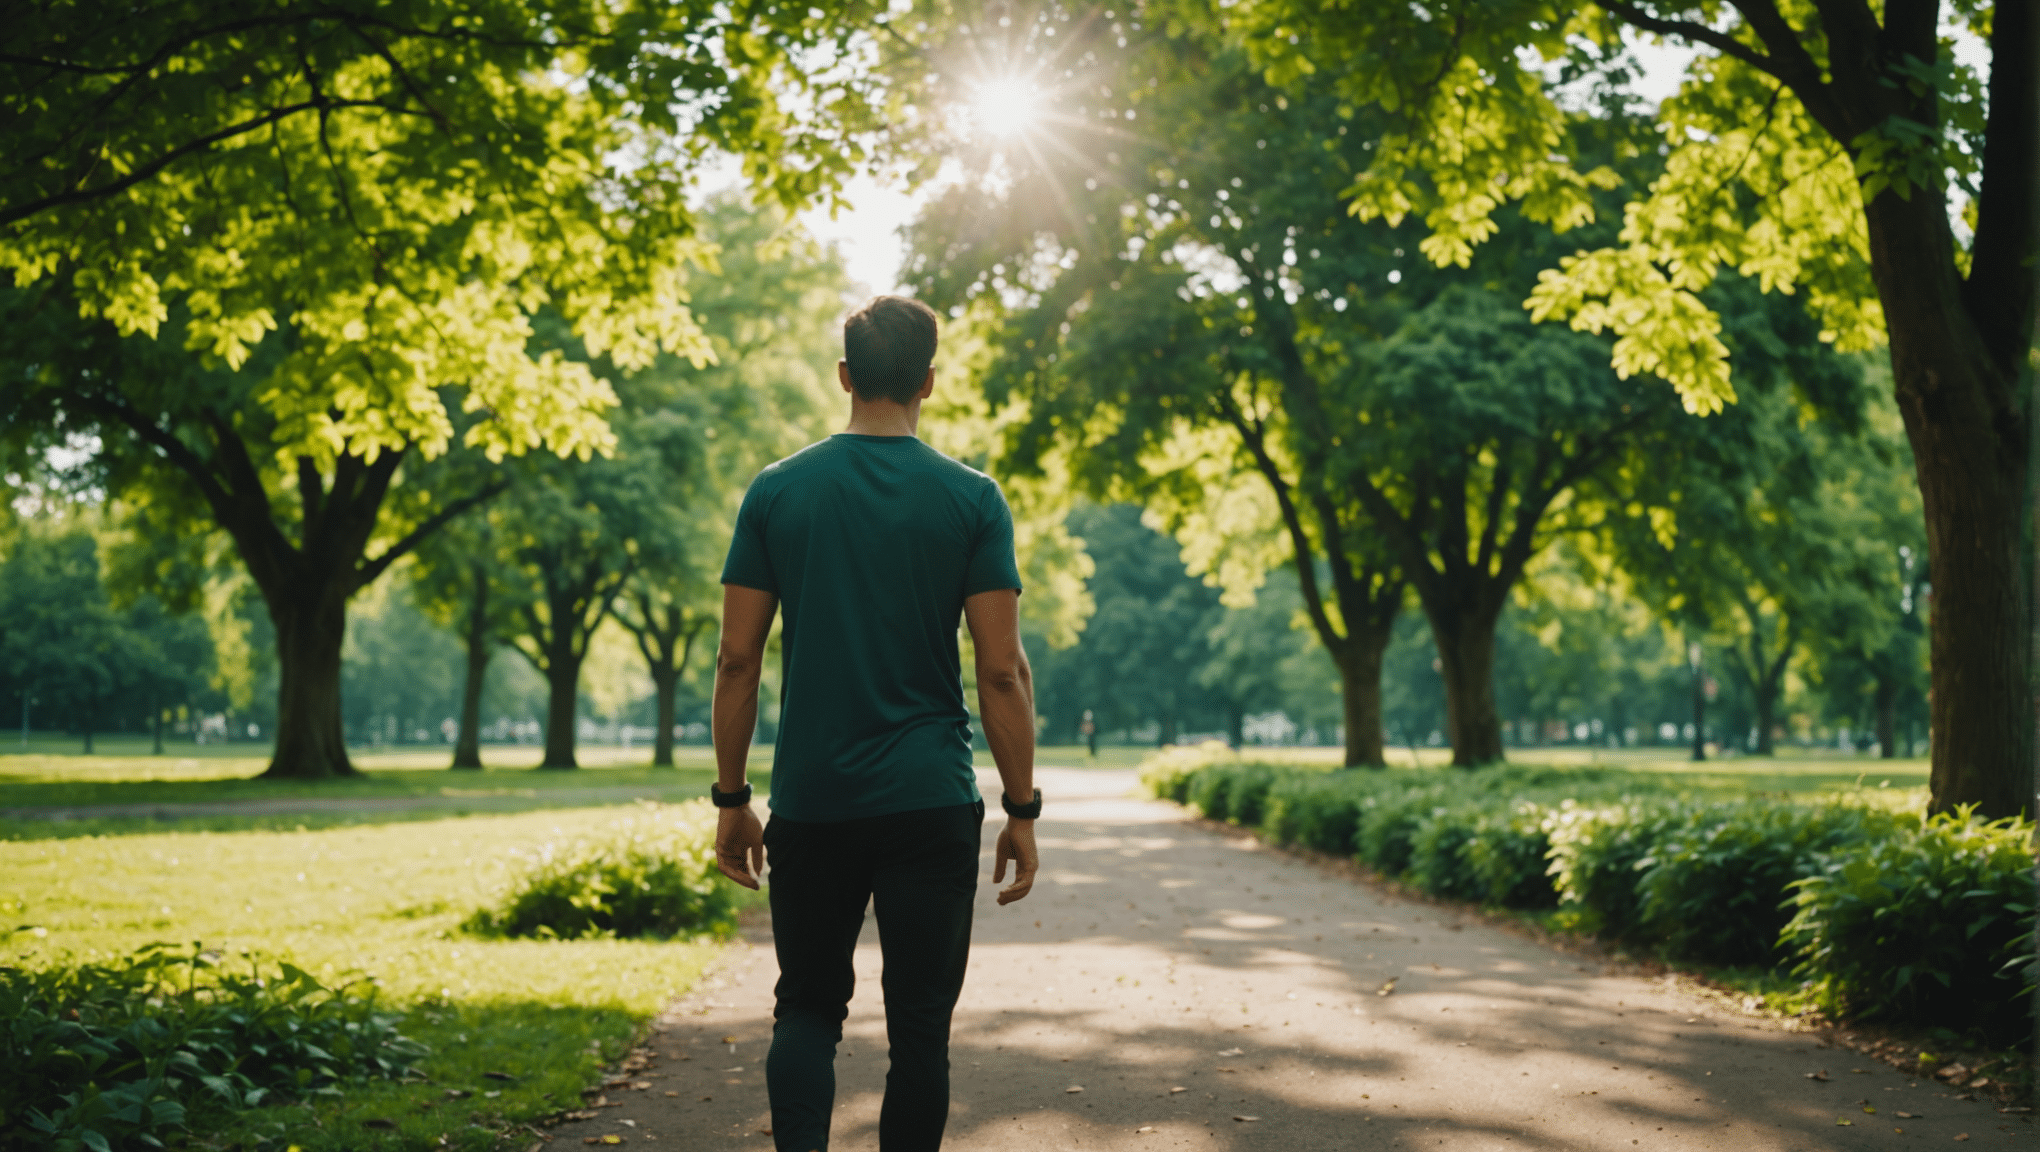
[[888, 346]]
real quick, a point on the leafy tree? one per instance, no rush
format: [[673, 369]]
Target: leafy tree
[[1191, 306], [280, 256], [769, 316], [1746, 530], [1826, 148], [65, 644], [456, 582]]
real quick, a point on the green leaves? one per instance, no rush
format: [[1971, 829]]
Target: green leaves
[[124, 1051], [400, 188]]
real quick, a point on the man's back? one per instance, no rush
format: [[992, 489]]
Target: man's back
[[872, 543]]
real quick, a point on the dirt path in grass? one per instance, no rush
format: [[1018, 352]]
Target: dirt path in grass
[[1206, 993]]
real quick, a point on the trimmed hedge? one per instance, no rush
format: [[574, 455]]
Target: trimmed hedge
[[1885, 914]]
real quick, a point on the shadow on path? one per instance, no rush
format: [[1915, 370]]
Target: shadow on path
[[1185, 980]]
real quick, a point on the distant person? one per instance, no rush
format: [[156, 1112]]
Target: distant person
[[1089, 731], [875, 544]]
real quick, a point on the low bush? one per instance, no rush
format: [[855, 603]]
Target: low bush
[[1713, 888], [119, 1054], [1886, 913], [652, 875], [1922, 923]]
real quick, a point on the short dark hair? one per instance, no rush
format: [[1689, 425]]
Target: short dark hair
[[889, 344]]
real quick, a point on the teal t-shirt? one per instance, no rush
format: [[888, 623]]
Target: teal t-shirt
[[871, 544]]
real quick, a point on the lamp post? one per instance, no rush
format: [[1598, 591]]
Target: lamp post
[[1699, 701]]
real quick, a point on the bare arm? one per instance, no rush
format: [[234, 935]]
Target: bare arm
[[739, 661], [1006, 706]]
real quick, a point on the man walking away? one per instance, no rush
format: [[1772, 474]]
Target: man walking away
[[873, 544]]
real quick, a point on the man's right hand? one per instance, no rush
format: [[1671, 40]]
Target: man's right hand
[[1016, 843]]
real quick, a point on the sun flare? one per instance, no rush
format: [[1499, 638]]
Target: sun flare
[[1007, 107]]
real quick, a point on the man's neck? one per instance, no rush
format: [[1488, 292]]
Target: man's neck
[[883, 418]]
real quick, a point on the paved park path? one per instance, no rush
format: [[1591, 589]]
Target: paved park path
[[1169, 986]]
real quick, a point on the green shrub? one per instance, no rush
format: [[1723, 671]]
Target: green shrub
[[1715, 888], [1386, 829], [1439, 860], [1316, 810], [1509, 857], [114, 1055], [653, 875], [1166, 774], [1918, 925], [1596, 851]]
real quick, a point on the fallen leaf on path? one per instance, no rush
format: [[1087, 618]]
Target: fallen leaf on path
[[1388, 987], [630, 1123], [1870, 1110], [729, 1039], [1176, 1089], [1233, 1052], [672, 1094], [1073, 1088], [583, 1114], [1821, 1076], [1246, 1119], [2015, 1111], [1841, 1123], [1956, 1074], [1962, 1136], [1147, 1128], [1909, 1115], [1228, 1069]]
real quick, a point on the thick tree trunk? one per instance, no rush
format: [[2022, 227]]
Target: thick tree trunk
[[1466, 662], [1360, 697], [1969, 432], [665, 683], [563, 682], [311, 629], [467, 752]]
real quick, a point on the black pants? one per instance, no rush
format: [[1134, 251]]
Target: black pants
[[919, 872]]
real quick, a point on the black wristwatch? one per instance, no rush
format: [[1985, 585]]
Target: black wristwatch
[[1022, 811], [723, 799]]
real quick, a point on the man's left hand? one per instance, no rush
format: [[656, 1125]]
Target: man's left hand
[[740, 845]]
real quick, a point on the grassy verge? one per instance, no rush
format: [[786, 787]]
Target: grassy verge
[[516, 1027]]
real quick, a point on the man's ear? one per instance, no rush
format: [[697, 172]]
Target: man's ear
[[843, 376], [927, 386]]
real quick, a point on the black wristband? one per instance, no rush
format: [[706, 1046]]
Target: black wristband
[[723, 799], [1031, 811]]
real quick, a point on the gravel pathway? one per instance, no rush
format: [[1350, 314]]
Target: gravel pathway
[[1168, 986]]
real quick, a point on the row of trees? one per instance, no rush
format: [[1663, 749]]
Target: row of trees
[[1282, 300], [320, 281]]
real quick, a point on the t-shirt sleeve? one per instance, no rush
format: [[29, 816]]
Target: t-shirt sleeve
[[749, 564], [992, 564]]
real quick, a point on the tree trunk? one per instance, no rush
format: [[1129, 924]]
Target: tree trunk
[[1360, 698], [157, 749], [1886, 704], [88, 732], [1969, 432], [1466, 662], [665, 682], [311, 629], [467, 753], [563, 681], [1699, 712]]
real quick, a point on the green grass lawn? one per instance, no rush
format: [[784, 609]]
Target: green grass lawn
[[385, 901]]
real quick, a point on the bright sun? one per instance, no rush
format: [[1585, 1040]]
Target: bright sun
[[1006, 107]]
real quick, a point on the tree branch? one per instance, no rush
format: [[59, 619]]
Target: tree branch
[[373, 568]]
